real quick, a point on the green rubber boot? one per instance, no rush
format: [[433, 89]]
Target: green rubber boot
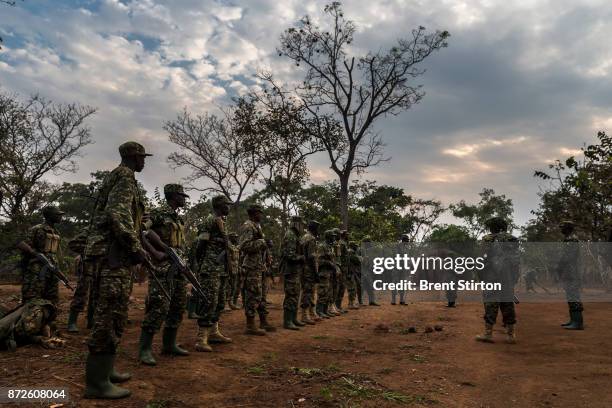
[[288, 320], [72, 322], [145, 352], [577, 322], [116, 377], [169, 345], [98, 385], [296, 321]]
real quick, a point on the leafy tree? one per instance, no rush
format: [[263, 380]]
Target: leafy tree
[[343, 95], [490, 205]]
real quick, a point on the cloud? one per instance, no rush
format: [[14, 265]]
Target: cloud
[[521, 84]]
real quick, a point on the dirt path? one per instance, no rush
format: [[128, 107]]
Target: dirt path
[[348, 362]]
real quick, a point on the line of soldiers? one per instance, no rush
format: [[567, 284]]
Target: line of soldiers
[[218, 267]]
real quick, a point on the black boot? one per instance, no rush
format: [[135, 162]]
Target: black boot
[[451, 304], [117, 377], [288, 320], [321, 312], [296, 321], [569, 322], [145, 353], [169, 345], [98, 385], [72, 322], [576, 323]]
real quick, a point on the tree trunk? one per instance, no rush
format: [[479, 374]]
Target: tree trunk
[[344, 192]]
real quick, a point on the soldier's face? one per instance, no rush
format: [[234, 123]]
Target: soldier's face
[[139, 161], [257, 216], [225, 209], [55, 218], [177, 200]]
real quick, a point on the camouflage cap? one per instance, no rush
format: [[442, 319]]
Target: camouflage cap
[[174, 189], [567, 224], [255, 208], [51, 210], [329, 234], [366, 238], [313, 224], [220, 200], [132, 149]]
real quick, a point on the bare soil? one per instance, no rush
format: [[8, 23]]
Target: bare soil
[[366, 358]]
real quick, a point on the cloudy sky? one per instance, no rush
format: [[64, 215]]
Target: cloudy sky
[[521, 83]]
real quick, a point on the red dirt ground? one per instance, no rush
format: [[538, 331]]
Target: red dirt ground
[[347, 362]]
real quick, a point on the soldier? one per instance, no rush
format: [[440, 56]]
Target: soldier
[[235, 279], [292, 267], [343, 267], [253, 249], [169, 226], [115, 242], [369, 278], [506, 274], [570, 276], [29, 324], [268, 272], [354, 271], [211, 255], [334, 277], [327, 267], [310, 275], [83, 290], [400, 274], [42, 241]]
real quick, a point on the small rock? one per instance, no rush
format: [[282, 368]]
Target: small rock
[[412, 329], [438, 327], [429, 329]]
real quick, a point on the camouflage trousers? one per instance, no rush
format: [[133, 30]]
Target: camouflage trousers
[[351, 287], [233, 288], [292, 292], [111, 309], [341, 282], [309, 286], [324, 288], [254, 302], [33, 287], [572, 294], [264, 285], [507, 311], [84, 293], [209, 309], [158, 309], [358, 288], [367, 284], [333, 287]]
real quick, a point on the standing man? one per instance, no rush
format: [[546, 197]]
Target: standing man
[[42, 242], [370, 251], [84, 283], [327, 267], [354, 274], [570, 276], [115, 241], [502, 259], [211, 255], [401, 274], [253, 249], [310, 274], [235, 279], [343, 267], [169, 226], [292, 267]]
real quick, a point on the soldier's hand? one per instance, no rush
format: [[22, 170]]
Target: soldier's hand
[[141, 257]]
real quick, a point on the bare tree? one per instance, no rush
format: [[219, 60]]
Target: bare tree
[[222, 150], [353, 91], [37, 138]]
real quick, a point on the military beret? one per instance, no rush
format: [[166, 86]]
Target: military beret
[[174, 188], [220, 199], [566, 224], [51, 210], [132, 149], [254, 208]]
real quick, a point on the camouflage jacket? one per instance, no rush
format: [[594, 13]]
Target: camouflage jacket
[[309, 245], [117, 218], [26, 321], [252, 247], [233, 259], [170, 227], [343, 261], [43, 238], [327, 256], [292, 260], [212, 245]]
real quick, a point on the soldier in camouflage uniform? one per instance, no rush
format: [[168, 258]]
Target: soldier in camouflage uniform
[[253, 249], [292, 268], [327, 267], [401, 274], [343, 269], [42, 239], [368, 279], [170, 227], [211, 259], [235, 278], [506, 274], [310, 274], [354, 272], [28, 324], [335, 276], [570, 276], [115, 243]]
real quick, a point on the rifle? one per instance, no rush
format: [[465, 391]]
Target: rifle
[[515, 300], [151, 238], [153, 271], [47, 264]]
